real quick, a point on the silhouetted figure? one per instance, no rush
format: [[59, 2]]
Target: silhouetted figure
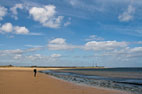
[[35, 71]]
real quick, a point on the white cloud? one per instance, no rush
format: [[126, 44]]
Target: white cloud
[[55, 55], [3, 12], [73, 2], [105, 50], [14, 10], [35, 34], [60, 44], [7, 27], [17, 56], [127, 53], [21, 30], [104, 45], [46, 16], [16, 51], [94, 37], [136, 42], [20, 51], [33, 46], [136, 49], [33, 49], [135, 52], [127, 15], [37, 58], [11, 36], [58, 41], [67, 23], [34, 57]]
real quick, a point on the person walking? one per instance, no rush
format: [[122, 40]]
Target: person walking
[[35, 72]]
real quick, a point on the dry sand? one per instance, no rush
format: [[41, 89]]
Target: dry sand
[[22, 81]]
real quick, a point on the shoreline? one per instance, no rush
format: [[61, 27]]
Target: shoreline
[[98, 83], [82, 84]]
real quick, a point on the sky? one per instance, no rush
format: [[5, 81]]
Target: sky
[[71, 33]]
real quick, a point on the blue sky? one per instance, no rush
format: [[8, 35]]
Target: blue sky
[[71, 32]]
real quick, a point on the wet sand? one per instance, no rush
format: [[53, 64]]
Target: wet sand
[[22, 81]]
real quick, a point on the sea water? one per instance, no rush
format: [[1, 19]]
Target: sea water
[[135, 81]]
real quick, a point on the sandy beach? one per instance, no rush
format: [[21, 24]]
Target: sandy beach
[[22, 81]]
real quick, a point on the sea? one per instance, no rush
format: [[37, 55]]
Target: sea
[[134, 81]]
